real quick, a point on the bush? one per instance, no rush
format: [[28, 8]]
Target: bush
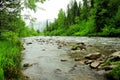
[[114, 74], [9, 36], [110, 31], [73, 29]]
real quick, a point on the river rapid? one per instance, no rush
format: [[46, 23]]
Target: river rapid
[[44, 60]]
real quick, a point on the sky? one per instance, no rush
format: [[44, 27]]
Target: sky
[[48, 10]]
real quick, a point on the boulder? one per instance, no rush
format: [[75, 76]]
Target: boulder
[[116, 54], [95, 64], [93, 56]]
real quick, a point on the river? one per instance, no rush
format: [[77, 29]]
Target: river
[[44, 58]]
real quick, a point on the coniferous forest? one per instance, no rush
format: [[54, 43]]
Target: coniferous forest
[[90, 18]]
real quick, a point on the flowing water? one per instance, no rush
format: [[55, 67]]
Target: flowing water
[[44, 58]]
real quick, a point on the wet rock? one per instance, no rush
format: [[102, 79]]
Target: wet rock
[[102, 58], [93, 56], [79, 62], [109, 67], [78, 47], [43, 49], [59, 47], [88, 61], [114, 59], [101, 72], [29, 43], [95, 64], [81, 43], [58, 71], [63, 60], [26, 77], [74, 51], [75, 65], [116, 54], [77, 59], [26, 65]]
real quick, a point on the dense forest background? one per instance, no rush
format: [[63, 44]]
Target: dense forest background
[[90, 18]]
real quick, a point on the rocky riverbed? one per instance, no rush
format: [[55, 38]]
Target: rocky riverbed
[[67, 58]]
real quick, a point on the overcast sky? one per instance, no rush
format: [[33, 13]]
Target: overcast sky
[[49, 9]]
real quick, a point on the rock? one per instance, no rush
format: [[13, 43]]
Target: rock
[[77, 59], [75, 65], [26, 77], [29, 43], [59, 47], [113, 59], [81, 43], [78, 47], [95, 64], [26, 65], [43, 49], [93, 56], [58, 71], [116, 54], [80, 62], [102, 58], [88, 61], [74, 51], [101, 72], [110, 67], [63, 60]]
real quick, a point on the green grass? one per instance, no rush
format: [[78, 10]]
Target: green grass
[[10, 60]]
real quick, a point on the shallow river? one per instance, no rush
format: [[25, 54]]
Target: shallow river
[[45, 58]]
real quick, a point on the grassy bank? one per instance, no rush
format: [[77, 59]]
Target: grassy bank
[[10, 59], [10, 53]]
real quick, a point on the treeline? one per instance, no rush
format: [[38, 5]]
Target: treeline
[[90, 18]]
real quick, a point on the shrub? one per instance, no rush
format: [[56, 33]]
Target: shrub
[[73, 29], [115, 73], [9, 36]]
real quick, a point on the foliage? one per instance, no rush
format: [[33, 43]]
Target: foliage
[[12, 27], [115, 73], [73, 29], [10, 59], [94, 17]]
